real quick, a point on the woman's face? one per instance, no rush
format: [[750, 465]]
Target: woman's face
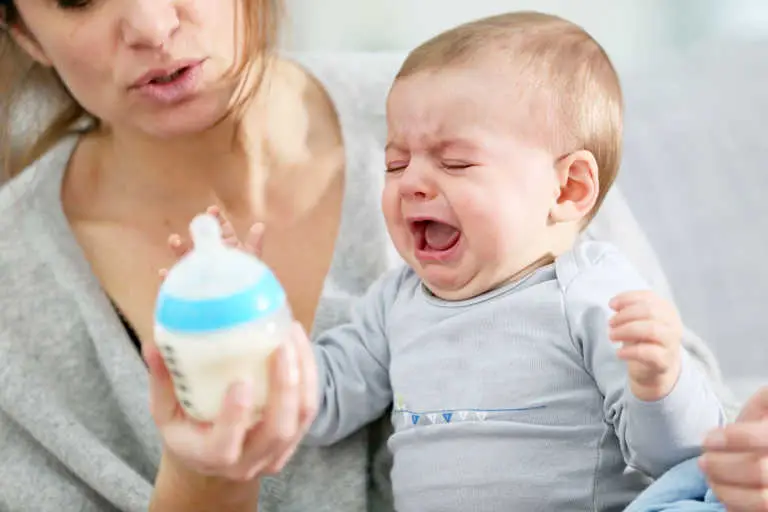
[[151, 66]]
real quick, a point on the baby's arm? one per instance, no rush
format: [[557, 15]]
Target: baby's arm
[[353, 367], [655, 433]]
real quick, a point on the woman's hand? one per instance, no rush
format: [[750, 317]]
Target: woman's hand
[[736, 458], [228, 447]]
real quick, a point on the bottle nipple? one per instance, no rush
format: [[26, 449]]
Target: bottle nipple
[[206, 232]]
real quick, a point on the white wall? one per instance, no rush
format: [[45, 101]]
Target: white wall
[[630, 30]]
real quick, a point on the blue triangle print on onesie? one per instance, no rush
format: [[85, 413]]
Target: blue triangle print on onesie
[[447, 416], [415, 418]]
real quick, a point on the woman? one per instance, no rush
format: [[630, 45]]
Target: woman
[[172, 114], [736, 457]]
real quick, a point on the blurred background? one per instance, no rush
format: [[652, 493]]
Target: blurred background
[[632, 31], [694, 70], [695, 78]]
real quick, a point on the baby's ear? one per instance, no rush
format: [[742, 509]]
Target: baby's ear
[[578, 186]]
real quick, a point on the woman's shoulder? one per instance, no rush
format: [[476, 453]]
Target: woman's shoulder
[[36, 183], [30, 218]]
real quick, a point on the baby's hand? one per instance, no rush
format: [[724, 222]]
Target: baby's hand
[[651, 332], [252, 244]]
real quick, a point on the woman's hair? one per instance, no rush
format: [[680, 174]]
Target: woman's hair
[[20, 77]]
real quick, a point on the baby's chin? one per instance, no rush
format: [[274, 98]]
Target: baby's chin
[[450, 285]]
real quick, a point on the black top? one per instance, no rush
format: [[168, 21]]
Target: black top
[[129, 329]]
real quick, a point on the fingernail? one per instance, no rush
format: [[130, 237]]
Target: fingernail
[[715, 440], [174, 240]]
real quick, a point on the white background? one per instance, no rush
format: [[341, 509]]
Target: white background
[[630, 30]]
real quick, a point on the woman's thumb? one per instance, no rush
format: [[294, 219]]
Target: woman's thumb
[[756, 408]]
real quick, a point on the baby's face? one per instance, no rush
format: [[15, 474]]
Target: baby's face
[[466, 199]]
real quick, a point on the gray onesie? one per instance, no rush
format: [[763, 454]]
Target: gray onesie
[[513, 400]]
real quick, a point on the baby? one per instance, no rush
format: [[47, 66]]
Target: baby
[[530, 369]]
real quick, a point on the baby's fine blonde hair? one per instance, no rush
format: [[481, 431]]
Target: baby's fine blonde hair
[[562, 67]]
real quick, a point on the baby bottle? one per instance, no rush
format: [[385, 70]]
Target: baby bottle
[[220, 313]]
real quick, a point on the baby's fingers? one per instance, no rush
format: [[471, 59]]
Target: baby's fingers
[[652, 357], [228, 234], [254, 241], [637, 305], [178, 245], [633, 312], [644, 331], [626, 299]]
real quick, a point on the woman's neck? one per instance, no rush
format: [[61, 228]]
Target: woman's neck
[[236, 166], [220, 165]]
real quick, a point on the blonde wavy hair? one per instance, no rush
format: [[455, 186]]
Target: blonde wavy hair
[[21, 78]]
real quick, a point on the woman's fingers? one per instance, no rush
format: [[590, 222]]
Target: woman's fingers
[[279, 425], [741, 499], [307, 394], [756, 408], [214, 448], [736, 469], [749, 437], [736, 458], [226, 438], [282, 418]]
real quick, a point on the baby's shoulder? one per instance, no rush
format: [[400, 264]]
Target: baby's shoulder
[[596, 269]]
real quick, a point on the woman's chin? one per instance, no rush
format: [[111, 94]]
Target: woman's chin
[[186, 120]]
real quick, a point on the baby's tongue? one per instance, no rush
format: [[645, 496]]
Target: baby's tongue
[[440, 236]]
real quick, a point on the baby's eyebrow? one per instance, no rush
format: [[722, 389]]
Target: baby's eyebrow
[[459, 143], [440, 145]]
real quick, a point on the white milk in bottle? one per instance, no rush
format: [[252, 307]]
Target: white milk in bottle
[[220, 314]]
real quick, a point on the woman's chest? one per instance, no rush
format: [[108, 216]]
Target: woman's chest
[[127, 262]]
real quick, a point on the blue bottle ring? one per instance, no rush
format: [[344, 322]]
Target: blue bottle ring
[[189, 316]]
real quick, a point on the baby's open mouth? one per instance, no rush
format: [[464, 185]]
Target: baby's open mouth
[[434, 236]]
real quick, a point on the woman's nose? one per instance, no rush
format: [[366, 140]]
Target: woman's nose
[[149, 23]]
